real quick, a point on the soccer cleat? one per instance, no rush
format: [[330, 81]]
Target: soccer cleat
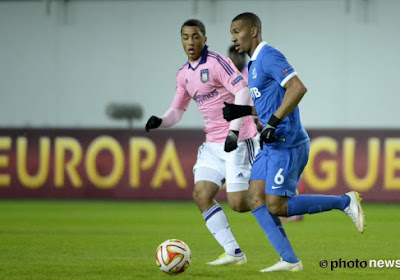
[[284, 266], [226, 259], [354, 210]]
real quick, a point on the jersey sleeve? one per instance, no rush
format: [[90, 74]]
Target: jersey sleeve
[[277, 67], [228, 75], [182, 98]]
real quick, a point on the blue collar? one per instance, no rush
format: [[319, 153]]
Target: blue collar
[[203, 58]]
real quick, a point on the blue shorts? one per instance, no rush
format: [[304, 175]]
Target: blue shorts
[[280, 168]]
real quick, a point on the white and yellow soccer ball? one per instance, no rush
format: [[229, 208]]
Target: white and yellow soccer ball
[[173, 256]]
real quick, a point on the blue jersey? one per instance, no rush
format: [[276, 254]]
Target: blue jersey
[[269, 71]]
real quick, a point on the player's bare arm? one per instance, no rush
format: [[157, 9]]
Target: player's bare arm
[[295, 91]]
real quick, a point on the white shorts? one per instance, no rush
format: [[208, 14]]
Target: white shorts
[[215, 165]]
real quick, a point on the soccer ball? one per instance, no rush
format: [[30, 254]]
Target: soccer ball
[[173, 256]]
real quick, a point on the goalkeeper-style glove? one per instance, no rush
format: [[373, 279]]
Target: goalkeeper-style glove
[[267, 134], [231, 141], [152, 123], [233, 111]]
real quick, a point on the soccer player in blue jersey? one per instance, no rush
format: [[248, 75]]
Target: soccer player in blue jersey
[[276, 91]]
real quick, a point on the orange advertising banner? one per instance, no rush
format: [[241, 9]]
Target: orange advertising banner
[[133, 164]]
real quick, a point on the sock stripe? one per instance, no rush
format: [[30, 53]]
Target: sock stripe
[[205, 213], [210, 212]]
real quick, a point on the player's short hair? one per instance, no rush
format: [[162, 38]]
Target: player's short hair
[[249, 19], [195, 22]]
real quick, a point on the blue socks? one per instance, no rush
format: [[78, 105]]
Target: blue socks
[[272, 226], [303, 204], [296, 205]]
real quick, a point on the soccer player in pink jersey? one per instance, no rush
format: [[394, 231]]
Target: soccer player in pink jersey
[[211, 79]]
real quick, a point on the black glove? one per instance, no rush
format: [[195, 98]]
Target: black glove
[[267, 134], [152, 123], [231, 141], [233, 111]]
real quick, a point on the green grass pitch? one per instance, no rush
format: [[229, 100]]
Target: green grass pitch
[[64, 239]]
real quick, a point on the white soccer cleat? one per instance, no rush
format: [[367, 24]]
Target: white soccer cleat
[[284, 266], [354, 210], [226, 259]]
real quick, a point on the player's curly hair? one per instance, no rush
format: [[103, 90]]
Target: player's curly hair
[[195, 22], [250, 19]]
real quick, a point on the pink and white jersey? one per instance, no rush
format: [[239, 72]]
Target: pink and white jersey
[[212, 82]]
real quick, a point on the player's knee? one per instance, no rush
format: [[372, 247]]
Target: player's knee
[[255, 201], [239, 205], [273, 209], [238, 201], [276, 209], [236, 207], [201, 196], [197, 195], [276, 205]]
